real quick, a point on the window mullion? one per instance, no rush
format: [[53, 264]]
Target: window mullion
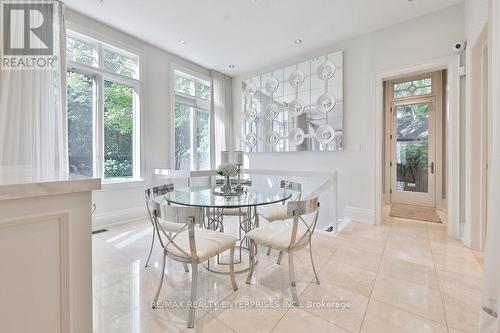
[[100, 127], [193, 139]]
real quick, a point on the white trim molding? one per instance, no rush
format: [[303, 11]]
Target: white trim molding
[[356, 214]]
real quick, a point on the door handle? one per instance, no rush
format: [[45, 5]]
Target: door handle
[[432, 167]]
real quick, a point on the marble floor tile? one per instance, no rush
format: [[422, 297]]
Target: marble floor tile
[[461, 314], [348, 277], [300, 321], [413, 298], [461, 264], [252, 309], [407, 271], [411, 254], [460, 286], [339, 306], [356, 257], [384, 318]]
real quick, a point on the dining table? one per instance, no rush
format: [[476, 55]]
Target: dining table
[[232, 213]]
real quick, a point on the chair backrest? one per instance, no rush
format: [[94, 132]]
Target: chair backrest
[[294, 187], [188, 217], [150, 193], [297, 209]]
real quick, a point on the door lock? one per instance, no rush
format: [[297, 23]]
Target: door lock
[[432, 167]]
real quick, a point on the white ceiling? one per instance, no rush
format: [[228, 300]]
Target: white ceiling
[[250, 34]]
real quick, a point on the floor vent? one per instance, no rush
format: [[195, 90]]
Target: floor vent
[[99, 231], [329, 229]]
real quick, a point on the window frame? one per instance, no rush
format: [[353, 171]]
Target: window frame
[[101, 75], [411, 79], [195, 102]]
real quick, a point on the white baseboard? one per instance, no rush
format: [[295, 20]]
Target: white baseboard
[[119, 217], [359, 215], [343, 223]]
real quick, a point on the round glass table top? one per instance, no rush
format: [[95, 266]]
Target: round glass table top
[[205, 197]]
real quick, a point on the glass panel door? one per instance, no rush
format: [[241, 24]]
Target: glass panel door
[[413, 153], [412, 147]]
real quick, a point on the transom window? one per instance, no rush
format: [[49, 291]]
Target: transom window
[[103, 110], [191, 122], [413, 88]]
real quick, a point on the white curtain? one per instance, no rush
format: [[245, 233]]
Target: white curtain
[[222, 119], [490, 307], [33, 128]]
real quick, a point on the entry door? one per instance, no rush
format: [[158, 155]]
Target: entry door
[[413, 162]]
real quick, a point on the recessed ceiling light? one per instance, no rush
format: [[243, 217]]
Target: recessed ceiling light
[[316, 59], [298, 41], [181, 41], [231, 66]]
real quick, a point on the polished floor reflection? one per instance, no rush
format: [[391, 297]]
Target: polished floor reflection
[[405, 276]]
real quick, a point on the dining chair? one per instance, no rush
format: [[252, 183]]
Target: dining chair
[[278, 212], [288, 236], [149, 194], [190, 244]]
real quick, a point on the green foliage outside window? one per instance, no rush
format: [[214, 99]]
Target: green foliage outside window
[[118, 130], [81, 100]]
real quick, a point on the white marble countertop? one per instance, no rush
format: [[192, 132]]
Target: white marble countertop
[[18, 184]]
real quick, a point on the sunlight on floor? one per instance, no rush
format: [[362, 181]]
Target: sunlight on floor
[[403, 276]]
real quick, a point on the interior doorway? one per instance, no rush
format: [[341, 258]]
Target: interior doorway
[[414, 140]]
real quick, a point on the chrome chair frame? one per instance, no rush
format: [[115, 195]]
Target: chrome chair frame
[[295, 209], [149, 194], [289, 186], [190, 217]]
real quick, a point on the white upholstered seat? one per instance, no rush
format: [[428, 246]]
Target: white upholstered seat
[[273, 213], [208, 244], [278, 235]]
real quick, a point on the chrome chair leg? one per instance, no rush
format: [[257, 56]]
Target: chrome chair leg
[[312, 261], [280, 257], [231, 270], [268, 251], [186, 267], [160, 283], [194, 289], [291, 269], [252, 262], [152, 244]]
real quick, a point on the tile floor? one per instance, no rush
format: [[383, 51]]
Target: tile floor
[[403, 277]]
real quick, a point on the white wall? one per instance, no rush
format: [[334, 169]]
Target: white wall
[[403, 45], [126, 202]]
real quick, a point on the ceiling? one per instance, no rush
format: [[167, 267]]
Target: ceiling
[[250, 34]]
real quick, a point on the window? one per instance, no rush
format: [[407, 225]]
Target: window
[[413, 88], [103, 110], [192, 122]]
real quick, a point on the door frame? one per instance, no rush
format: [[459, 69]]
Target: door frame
[[485, 141], [438, 94], [452, 65], [432, 151]]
